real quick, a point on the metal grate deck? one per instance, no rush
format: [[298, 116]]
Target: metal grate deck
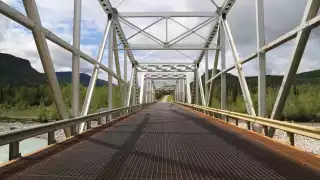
[[166, 142]]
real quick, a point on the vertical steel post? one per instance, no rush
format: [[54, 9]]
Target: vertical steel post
[[131, 85], [134, 90], [117, 63], [125, 85], [197, 84], [150, 89], [92, 83], [44, 53], [142, 89], [206, 78], [110, 66], [96, 68], [223, 67], [203, 100], [261, 58], [153, 92], [76, 59], [262, 63], [187, 84], [137, 89], [178, 90], [166, 30], [300, 45], [214, 69], [183, 91], [241, 77]]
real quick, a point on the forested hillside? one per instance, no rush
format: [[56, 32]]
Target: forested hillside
[[22, 88], [302, 104]]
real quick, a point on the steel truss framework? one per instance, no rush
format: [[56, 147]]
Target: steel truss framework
[[129, 90]]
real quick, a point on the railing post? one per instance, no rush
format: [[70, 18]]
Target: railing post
[[73, 130], [291, 138], [88, 125], [51, 138], [14, 151], [265, 129]]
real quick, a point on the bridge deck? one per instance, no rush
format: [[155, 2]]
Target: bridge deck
[[166, 142]]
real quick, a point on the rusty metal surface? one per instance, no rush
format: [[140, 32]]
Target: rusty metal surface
[[167, 142]]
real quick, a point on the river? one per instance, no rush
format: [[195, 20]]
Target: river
[[26, 146]]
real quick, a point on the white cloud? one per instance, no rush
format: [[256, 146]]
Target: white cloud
[[57, 16]]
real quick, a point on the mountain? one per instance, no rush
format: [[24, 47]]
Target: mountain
[[310, 77], [18, 71], [65, 78]]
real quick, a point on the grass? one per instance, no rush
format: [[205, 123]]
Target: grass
[[169, 98], [29, 113], [18, 114]]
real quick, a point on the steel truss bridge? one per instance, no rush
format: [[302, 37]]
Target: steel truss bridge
[[145, 139]]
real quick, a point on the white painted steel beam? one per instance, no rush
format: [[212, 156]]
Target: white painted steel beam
[[203, 100], [187, 84], [142, 90], [214, 69], [45, 57], [94, 76], [148, 35], [125, 74], [166, 14], [206, 77], [241, 77], [76, 60], [300, 45], [117, 63], [110, 66], [261, 58], [311, 24], [224, 10], [223, 92], [28, 23]]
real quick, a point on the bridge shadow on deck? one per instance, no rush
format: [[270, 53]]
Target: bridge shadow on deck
[[154, 148], [277, 162]]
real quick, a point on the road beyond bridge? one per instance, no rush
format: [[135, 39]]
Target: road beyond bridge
[[166, 141]]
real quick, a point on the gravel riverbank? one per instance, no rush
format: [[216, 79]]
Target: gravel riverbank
[[59, 134], [302, 142], [5, 126]]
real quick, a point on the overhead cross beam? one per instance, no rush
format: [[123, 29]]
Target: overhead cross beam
[[166, 14], [224, 10], [165, 67], [108, 9]]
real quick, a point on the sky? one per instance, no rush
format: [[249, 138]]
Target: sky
[[281, 16]]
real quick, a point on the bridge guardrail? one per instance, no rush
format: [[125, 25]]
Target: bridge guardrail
[[290, 128], [13, 137]]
